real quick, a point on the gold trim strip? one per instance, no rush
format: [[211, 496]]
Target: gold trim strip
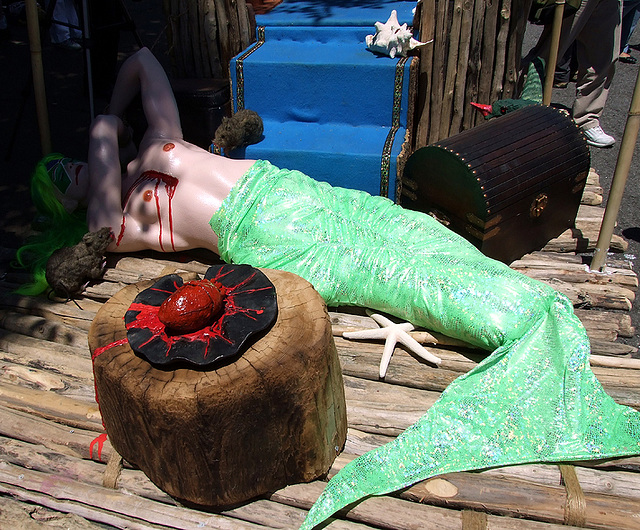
[[240, 68], [385, 163]]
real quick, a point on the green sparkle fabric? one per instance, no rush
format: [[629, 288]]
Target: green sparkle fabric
[[534, 399]]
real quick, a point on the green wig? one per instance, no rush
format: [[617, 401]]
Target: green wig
[[60, 228]]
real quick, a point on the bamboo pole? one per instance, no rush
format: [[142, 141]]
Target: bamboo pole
[[620, 175], [33, 28], [553, 52]]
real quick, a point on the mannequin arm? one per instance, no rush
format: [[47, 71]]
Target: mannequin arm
[[104, 205], [105, 181], [142, 73]]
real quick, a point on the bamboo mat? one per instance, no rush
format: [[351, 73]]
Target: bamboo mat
[[54, 472]]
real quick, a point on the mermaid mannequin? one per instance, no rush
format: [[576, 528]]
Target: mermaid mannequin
[[533, 399], [166, 207]]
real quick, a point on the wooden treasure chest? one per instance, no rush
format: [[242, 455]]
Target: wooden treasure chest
[[508, 186]]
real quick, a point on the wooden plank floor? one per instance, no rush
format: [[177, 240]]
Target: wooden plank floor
[[55, 473]]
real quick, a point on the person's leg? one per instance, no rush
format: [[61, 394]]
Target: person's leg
[[57, 32], [75, 32], [636, 18], [629, 20], [571, 27], [64, 11], [598, 45], [562, 74]]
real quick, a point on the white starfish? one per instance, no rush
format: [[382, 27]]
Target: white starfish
[[392, 333]]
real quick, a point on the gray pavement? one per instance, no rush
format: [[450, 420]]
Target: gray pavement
[[70, 118]]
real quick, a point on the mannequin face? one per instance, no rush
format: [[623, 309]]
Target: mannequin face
[[71, 180]]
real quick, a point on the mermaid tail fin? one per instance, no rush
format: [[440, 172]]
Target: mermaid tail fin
[[534, 399]]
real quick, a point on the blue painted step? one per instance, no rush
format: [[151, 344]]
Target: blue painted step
[[331, 108], [319, 78], [343, 155]]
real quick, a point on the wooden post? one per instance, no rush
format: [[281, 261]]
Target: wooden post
[[475, 57], [204, 35], [430, 14]]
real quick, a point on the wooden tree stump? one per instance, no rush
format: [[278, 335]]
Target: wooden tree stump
[[275, 416]]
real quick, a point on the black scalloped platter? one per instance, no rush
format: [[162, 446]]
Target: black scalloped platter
[[250, 308]]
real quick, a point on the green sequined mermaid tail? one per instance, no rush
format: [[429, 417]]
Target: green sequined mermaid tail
[[361, 250], [520, 405], [533, 399]]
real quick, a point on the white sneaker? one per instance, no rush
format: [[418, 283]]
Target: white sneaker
[[597, 137]]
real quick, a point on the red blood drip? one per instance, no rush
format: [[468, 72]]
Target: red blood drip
[[96, 353], [168, 146], [170, 186], [102, 349], [148, 319], [121, 232], [231, 307], [100, 441], [155, 194]]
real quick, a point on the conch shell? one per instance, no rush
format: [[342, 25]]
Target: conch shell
[[392, 39]]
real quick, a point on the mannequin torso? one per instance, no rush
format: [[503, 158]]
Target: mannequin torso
[[169, 193]]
